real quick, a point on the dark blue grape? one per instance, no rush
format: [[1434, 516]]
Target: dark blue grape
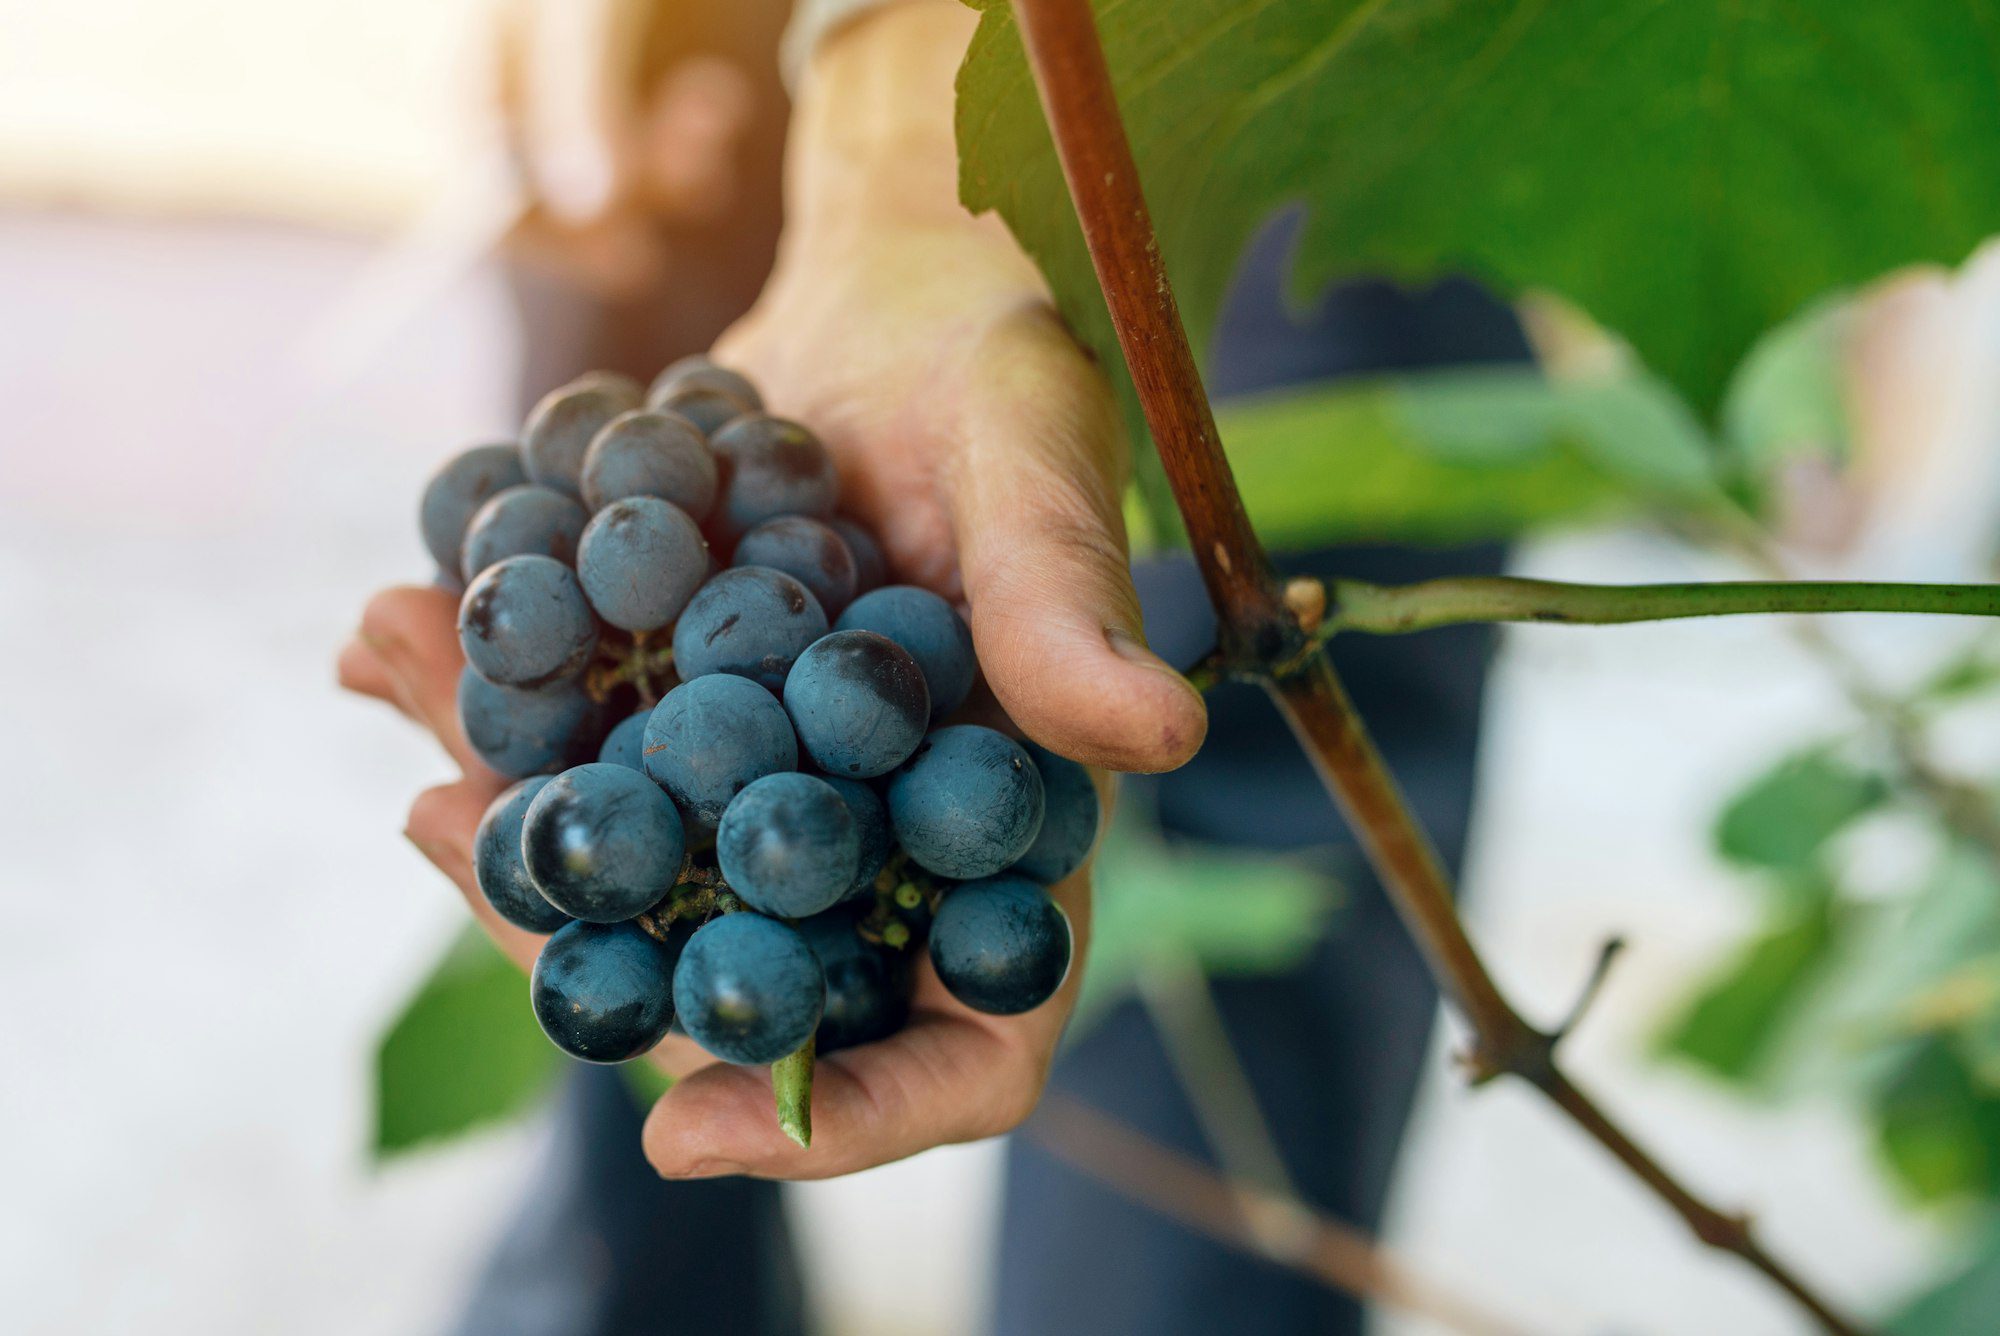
[[651, 454], [748, 621], [867, 986], [709, 739], [522, 520], [871, 568], [640, 561], [808, 551], [788, 845], [1069, 818], [603, 992], [748, 988], [524, 622], [871, 824], [602, 842], [698, 372], [496, 862], [858, 702], [968, 804], [562, 425], [930, 629], [457, 491], [616, 382], [776, 467], [626, 744], [709, 409], [1000, 946], [520, 732]]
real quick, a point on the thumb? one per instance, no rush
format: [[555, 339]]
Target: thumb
[[1042, 554]]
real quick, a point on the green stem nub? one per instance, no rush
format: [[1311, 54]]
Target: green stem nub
[[792, 1087]]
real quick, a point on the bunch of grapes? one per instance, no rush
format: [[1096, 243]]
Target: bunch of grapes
[[741, 809]]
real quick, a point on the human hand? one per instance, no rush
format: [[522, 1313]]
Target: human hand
[[981, 444], [972, 432], [951, 1074]]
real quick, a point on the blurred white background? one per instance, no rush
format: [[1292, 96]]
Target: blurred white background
[[212, 912]]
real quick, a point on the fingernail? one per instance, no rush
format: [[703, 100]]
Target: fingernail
[[705, 1169], [1129, 648]]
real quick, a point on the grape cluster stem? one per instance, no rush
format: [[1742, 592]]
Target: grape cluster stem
[[1262, 633], [791, 1087], [647, 668]]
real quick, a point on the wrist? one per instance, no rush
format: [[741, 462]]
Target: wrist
[[872, 136]]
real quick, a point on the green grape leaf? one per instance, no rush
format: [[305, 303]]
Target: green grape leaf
[[1457, 455], [1937, 1129], [1439, 460], [464, 1052], [1788, 399], [1965, 1299], [1972, 672], [1784, 817], [1736, 1021], [1688, 174], [1229, 911], [1908, 970]]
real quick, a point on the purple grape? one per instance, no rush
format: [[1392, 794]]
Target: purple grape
[[457, 491], [808, 551], [640, 561], [519, 521], [749, 621], [776, 467], [559, 430], [651, 454], [858, 702]]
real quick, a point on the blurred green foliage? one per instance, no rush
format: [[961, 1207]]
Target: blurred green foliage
[[465, 1051], [1230, 911], [1887, 999]]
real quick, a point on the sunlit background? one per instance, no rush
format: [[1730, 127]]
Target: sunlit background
[[245, 307]]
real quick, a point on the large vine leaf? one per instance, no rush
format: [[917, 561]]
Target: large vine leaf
[[465, 1051], [1689, 173], [1457, 455]]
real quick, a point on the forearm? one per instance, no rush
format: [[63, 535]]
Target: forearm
[[872, 136]]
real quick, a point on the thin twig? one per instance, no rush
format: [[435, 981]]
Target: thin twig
[[1263, 1224], [1393, 609], [1067, 61], [1592, 986], [1965, 809], [1176, 994]]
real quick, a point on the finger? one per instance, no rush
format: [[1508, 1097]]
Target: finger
[[443, 823], [361, 670], [1041, 545], [945, 1078], [414, 632]]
